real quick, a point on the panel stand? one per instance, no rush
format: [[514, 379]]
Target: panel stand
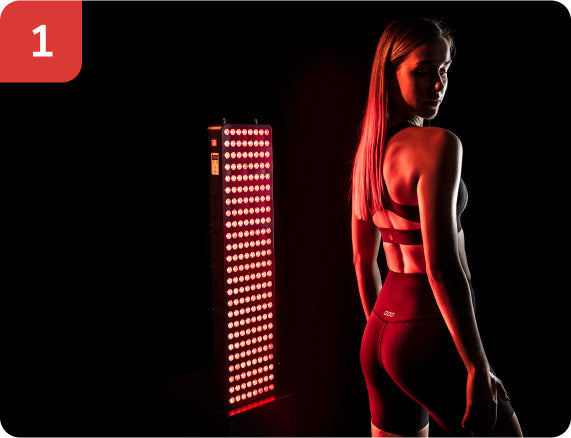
[[187, 408]]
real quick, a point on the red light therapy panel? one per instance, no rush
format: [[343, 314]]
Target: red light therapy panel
[[242, 256]]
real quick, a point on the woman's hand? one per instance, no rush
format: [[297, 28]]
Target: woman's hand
[[482, 390]]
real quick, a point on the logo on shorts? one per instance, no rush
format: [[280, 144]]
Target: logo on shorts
[[389, 314]]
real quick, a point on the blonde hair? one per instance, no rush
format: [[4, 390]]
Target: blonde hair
[[398, 40]]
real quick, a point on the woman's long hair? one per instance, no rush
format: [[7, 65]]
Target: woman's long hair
[[399, 39]]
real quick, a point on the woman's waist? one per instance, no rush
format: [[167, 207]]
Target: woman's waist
[[405, 258], [406, 297], [409, 297]]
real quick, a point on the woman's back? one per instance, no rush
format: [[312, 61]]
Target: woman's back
[[408, 153]]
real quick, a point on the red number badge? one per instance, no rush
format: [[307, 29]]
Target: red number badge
[[40, 41]]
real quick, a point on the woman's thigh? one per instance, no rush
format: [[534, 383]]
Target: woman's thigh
[[421, 358]]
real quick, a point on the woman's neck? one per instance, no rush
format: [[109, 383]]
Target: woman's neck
[[397, 117]]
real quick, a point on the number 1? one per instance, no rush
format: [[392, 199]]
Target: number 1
[[42, 53]]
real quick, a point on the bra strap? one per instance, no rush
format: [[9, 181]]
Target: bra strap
[[401, 237], [409, 212]]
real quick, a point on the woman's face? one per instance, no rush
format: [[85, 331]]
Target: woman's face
[[422, 79]]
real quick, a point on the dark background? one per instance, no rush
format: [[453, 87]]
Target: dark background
[[107, 292]]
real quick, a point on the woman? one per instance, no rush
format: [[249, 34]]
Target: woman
[[421, 352]]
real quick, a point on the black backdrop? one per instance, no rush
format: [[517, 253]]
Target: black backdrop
[[108, 213]]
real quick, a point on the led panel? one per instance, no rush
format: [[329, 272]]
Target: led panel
[[242, 256]]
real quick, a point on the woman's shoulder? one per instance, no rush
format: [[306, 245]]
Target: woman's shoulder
[[438, 140], [436, 148], [438, 136]]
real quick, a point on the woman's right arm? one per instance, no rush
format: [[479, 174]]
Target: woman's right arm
[[437, 191], [366, 240]]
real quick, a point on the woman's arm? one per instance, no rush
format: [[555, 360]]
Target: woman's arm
[[437, 191], [366, 240]]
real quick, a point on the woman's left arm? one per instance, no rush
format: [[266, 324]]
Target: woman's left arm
[[366, 240]]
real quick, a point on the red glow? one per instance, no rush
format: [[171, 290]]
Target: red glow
[[251, 406]]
